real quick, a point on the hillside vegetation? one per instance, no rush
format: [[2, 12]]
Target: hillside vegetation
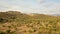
[[14, 22]]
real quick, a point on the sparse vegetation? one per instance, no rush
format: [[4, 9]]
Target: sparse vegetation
[[13, 22]]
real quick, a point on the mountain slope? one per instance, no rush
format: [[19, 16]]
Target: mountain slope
[[14, 22]]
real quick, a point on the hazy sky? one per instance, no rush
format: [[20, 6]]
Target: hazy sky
[[31, 6]]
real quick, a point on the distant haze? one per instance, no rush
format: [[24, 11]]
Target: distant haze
[[31, 6]]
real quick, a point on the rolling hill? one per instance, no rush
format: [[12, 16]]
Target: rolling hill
[[14, 22]]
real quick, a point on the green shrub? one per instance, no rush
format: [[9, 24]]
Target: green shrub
[[13, 32], [35, 30], [1, 32], [9, 26], [30, 31], [3, 20], [8, 31], [40, 32]]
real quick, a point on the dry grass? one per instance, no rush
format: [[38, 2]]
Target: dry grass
[[26, 24]]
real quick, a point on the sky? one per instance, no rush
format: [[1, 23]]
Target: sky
[[31, 6]]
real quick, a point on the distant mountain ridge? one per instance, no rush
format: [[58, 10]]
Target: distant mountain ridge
[[56, 14]]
